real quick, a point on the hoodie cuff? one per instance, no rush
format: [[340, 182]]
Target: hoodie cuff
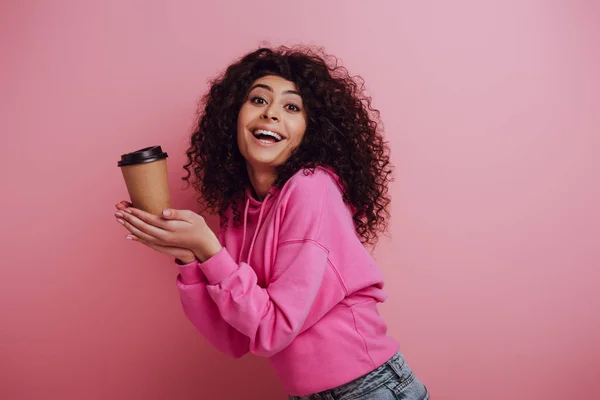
[[218, 267], [190, 273]]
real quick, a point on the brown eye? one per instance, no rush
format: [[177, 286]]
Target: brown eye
[[258, 100], [293, 107]]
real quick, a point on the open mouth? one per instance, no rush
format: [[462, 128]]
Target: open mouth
[[267, 136]]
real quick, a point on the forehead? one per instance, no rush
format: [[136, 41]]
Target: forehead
[[277, 83]]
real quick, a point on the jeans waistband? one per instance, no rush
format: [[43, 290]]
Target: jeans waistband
[[363, 384]]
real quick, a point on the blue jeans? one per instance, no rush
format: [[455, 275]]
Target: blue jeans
[[394, 380]]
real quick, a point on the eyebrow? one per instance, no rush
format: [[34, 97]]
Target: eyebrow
[[270, 89]]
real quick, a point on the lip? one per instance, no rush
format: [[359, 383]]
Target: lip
[[263, 144], [268, 128]]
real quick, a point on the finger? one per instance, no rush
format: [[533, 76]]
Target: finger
[[142, 241], [153, 246], [122, 205], [174, 251], [140, 229], [148, 218], [135, 233], [181, 215]]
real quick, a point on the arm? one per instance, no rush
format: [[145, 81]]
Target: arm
[[303, 287], [204, 314], [272, 317]]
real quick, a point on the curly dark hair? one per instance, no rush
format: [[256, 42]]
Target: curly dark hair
[[343, 133]]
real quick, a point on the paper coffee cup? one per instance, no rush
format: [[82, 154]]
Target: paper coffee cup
[[145, 174]]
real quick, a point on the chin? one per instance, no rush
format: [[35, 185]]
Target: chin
[[263, 157], [262, 162]]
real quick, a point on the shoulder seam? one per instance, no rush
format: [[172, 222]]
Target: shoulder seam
[[295, 241]]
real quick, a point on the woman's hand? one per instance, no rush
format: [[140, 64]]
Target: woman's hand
[[185, 256], [182, 229]]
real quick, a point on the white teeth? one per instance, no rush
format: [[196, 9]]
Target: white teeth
[[267, 133]]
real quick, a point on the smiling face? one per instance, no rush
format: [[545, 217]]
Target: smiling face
[[271, 122]]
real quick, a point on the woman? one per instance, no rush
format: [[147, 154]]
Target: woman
[[290, 154]]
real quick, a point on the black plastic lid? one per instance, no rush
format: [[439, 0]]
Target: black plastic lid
[[146, 155]]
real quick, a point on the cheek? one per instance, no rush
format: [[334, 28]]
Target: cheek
[[298, 129]]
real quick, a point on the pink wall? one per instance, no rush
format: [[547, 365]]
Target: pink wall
[[492, 110]]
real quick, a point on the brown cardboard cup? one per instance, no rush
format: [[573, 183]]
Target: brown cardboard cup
[[145, 174]]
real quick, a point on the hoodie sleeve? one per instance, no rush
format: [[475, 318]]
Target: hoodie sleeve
[[302, 290], [201, 310]]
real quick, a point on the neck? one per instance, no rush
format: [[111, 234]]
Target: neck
[[261, 179]]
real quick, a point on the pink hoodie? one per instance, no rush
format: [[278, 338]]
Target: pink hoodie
[[293, 283]]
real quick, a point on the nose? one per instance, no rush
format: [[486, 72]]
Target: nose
[[270, 114]]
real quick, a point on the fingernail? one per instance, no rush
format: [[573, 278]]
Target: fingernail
[[118, 214], [121, 221], [129, 237], [166, 213], [127, 210]]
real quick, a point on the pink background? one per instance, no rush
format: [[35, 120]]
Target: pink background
[[492, 110]]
